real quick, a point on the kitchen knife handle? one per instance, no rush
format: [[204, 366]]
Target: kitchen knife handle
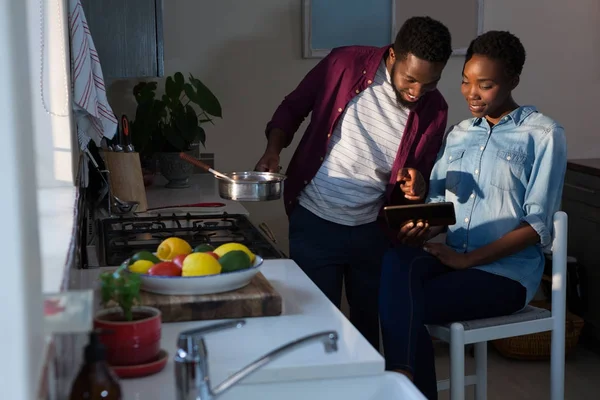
[[125, 131]]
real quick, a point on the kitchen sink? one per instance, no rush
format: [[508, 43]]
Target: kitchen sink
[[387, 386]]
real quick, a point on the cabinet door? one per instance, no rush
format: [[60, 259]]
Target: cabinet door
[[127, 35], [583, 188], [584, 244]]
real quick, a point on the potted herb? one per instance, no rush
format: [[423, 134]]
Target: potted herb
[[135, 331], [171, 124]]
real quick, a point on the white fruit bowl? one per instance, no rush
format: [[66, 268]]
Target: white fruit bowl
[[195, 285]]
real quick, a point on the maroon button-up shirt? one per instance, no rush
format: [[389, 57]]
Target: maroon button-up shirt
[[326, 91]]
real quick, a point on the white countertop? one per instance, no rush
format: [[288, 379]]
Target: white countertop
[[56, 208], [306, 310], [203, 189]]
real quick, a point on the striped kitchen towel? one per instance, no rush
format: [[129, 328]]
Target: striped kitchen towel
[[93, 115]]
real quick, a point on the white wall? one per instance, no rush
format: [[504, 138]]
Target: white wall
[[36, 155], [21, 339], [249, 54], [562, 72], [55, 146]]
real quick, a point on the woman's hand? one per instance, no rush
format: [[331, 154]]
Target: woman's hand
[[447, 256], [414, 233]]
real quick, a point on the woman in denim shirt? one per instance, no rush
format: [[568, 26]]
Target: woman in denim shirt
[[504, 171]]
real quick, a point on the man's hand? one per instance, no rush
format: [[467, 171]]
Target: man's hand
[[412, 183], [447, 256], [269, 162], [414, 233]]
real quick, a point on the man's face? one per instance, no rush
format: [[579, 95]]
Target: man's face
[[412, 77]]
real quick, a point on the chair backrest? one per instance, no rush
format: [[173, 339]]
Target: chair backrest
[[559, 267]]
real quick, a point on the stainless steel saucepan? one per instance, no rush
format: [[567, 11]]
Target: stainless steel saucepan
[[244, 186]]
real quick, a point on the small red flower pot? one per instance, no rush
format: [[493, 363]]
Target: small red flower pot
[[130, 342]]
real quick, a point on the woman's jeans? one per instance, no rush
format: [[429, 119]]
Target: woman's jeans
[[416, 289]]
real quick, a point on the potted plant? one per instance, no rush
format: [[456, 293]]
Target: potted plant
[[134, 331], [172, 124]]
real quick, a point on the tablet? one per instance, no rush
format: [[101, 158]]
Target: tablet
[[436, 214]]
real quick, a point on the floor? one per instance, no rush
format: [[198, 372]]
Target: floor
[[529, 380]]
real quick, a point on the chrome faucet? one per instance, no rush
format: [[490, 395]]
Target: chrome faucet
[[191, 360]]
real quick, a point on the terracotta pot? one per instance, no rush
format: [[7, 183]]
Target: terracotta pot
[[130, 342]]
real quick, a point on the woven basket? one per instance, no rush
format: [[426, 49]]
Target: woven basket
[[536, 346]]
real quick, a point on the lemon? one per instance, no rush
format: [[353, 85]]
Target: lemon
[[198, 264], [172, 247], [227, 247], [141, 266]]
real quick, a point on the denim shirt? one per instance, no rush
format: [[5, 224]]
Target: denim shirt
[[498, 177]]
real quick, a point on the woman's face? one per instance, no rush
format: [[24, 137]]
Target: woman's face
[[487, 88]]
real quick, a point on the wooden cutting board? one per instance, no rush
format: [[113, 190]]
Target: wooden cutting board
[[257, 299]]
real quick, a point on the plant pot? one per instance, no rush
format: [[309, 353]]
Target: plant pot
[[130, 342], [176, 170]]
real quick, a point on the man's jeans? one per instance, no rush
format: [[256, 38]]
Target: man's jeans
[[331, 253]]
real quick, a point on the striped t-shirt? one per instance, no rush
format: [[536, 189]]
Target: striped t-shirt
[[349, 186]]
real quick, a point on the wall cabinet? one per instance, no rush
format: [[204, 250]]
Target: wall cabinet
[[581, 201], [128, 35]]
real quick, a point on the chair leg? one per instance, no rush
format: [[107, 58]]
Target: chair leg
[[481, 371], [557, 364], [559, 290], [457, 362]]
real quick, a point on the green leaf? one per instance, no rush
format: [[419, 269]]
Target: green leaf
[[175, 140], [186, 123], [179, 83], [166, 99], [190, 92], [171, 89], [160, 109], [201, 135], [179, 79], [144, 92], [145, 126], [121, 287], [137, 89], [191, 119], [178, 120], [205, 99], [107, 287], [169, 122]]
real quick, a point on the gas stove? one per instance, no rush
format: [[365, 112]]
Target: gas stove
[[120, 237]]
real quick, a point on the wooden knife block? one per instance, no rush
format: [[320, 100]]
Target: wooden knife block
[[126, 178]]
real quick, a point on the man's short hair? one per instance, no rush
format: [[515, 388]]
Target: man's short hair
[[425, 38], [502, 46]]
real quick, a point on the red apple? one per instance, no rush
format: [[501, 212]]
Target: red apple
[[165, 268], [215, 255], [178, 260]]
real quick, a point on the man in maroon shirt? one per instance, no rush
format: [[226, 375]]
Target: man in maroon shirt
[[362, 99]]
